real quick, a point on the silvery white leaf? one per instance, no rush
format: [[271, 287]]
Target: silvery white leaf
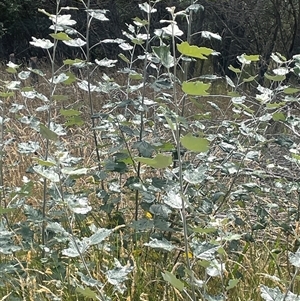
[[42, 43], [209, 35], [98, 14], [215, 268], [125, 46], [160, 244], [294, 258], [281, 71], [75, 42], [173, 200], [62, 20], [172, 29], [78, 204], [147, 8], [106, 62]]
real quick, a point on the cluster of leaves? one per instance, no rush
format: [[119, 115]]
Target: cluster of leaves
[[203, 185]]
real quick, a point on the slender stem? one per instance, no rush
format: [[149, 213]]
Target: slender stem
[[187, 64], [142, 112], [87, 39], [180, 168], [49, 116], [2, 189], [291, 284]]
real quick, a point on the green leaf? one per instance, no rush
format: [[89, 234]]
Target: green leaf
[[275, 78], [70, 112], [171, 278], [295, 156], [135, 76], [71, 78], [291, 90], [127, 160], [11, 70], [194, 51], [195, 144], [232, 283], [233, 94], [279, 116], [47, 133], [252, 58], [124, 58], [74, 120], [139, 22], [87, 292], [275, 105], [60, 97], [6, 94], [163, 53], [72, 62], [165, 146], [196, 88], [171, 124], [221, 251], [160, 161], [204, 263], [27, 89], [60, 36], [249, 79], [45, 163], [6, 210], [235, 70], [137, 41]]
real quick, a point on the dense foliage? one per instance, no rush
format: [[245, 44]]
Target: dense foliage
[[131, 177]]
